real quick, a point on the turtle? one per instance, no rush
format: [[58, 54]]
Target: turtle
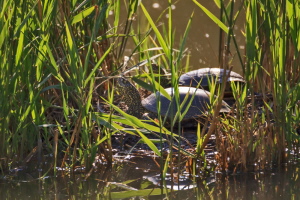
[[138, 107], [205, 75]]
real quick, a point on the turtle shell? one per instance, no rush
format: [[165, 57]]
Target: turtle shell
[[199, 105], [192, 78]]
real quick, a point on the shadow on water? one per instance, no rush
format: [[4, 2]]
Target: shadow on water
[[138, 177]]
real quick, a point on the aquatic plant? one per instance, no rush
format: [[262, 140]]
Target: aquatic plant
[[59, 60]]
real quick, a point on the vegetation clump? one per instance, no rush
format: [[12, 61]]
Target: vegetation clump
[[59, 60]]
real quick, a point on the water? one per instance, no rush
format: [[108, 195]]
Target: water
[[136, 179], [203, 38]]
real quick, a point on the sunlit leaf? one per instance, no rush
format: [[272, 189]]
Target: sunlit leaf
[[79, 17]]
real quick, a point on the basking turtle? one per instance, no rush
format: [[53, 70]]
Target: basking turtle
[[205, 75], [137, 107]]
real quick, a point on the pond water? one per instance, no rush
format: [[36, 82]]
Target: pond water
[[137, 178], [203, 37]]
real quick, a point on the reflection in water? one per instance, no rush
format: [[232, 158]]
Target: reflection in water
[[155, 5], [136, 178], [182, 182]]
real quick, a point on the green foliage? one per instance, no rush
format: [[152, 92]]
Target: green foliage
[[271, 66], [57, 58], [48, 50]]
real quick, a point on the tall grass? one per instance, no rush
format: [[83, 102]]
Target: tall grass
[[270, 66], [57, 58], [52, 52]]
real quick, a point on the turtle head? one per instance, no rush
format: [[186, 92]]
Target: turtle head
[[127, 88], [123, 82], [131, 97]]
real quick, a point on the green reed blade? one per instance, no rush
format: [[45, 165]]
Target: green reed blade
[[212, 17], [160, 39], [83, 14]]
